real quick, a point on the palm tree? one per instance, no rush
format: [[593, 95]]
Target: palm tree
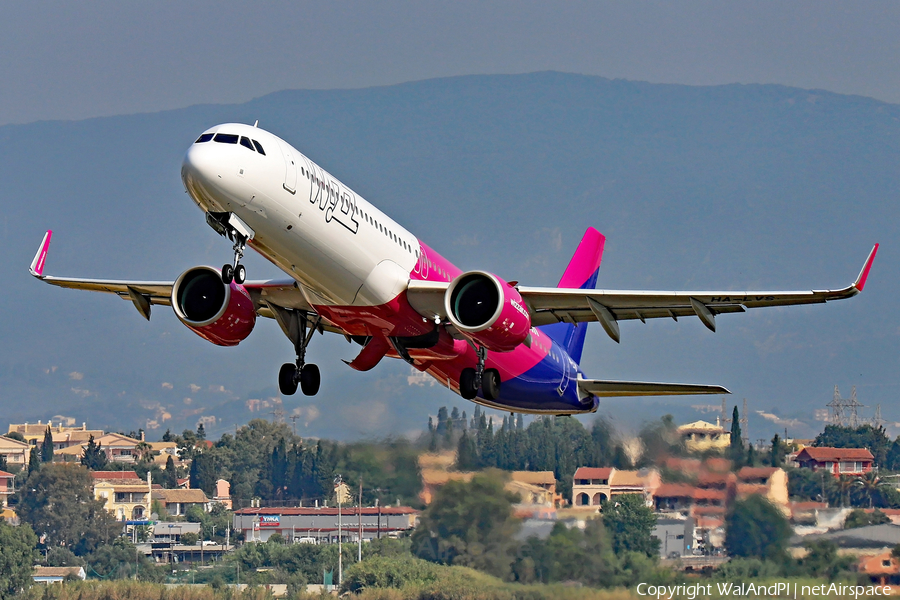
[[844, 484], [871, 484]]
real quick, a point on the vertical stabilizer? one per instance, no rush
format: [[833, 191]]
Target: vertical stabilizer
[[582, 274]]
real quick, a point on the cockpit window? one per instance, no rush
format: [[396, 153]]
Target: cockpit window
[[226, 138], [246, 143], [259, 147], [204, 138]]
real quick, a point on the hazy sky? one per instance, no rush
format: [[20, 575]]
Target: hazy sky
[[64, 60]]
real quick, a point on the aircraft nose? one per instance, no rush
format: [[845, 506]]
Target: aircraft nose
[[198, 166], [201, 174]]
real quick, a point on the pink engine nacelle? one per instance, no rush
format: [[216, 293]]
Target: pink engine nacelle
[[222, 314], [487, 310]]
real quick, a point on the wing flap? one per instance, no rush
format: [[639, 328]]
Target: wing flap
[[609, 389]]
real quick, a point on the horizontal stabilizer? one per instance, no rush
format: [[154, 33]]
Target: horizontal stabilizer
[[606, 389]]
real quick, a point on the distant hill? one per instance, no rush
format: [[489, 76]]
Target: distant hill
[[733, 187]]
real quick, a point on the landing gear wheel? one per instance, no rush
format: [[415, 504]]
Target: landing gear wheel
[[467, 387], [490, 384], [240, 274], [227, 274], [287, 383], [309, 380]]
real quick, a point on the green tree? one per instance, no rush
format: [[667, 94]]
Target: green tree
[[755, 528], [630, 523], [861, 518], [871, 484], [203, 473], [34, 460], [776, 454], [47, 446], [57, 502], [119, 559], [822, 560], [170, 475], [93, 457], [466, 458], [18, 554], [737, 442], [469, 523], [190, 538]]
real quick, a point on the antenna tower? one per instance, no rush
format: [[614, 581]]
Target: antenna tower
[[837, 408], [853, 404], [726, 416]]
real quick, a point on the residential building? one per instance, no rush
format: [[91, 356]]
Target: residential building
[[117, 447], [223, 493], [593, 485], [770, 482], [836, 461], [34, 433], [177, 502], [543, 479], [319, 525], [590, 486], [880, 569], [6, 488], [125, 494], [701, 436], [57, 574], [15, 453]]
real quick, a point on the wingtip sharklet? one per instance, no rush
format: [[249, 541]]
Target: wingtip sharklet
[[37, 265], [860, 282]]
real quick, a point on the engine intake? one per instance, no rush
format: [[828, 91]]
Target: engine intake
[[219, 313], [487, 310]]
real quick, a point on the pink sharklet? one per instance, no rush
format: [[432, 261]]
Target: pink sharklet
[[37, 265], [864, 274]]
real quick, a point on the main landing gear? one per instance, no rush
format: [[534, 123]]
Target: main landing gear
[[300, 372], [479, 377]]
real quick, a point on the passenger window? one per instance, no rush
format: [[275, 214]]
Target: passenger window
[[259, 147], [246, 144], [226, 138], [204, 138]]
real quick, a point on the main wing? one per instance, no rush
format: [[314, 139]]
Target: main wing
[[555, 305], [562, 305], [268, 296]]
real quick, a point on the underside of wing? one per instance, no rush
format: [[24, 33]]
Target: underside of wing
[[608, 389]]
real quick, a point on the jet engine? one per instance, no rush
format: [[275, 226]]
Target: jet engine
[[487, 310], [220, 313]]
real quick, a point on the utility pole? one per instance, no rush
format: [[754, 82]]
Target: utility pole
[[338, 485], [359, 513]]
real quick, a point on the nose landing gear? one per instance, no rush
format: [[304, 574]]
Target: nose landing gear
[[232, 227], [479, 377]]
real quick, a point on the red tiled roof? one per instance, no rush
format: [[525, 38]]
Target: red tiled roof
[[708, 478], [111, 475], [821, 454], [756, 472], [702, 494], [5, 474], [593, 472], [675, 490]]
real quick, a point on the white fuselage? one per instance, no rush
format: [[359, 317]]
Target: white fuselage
[[339, 247]]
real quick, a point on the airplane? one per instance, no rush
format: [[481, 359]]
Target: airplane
[[353, 270]]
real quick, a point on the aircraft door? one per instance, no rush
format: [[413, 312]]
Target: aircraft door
[[564, 380], [290, 169]]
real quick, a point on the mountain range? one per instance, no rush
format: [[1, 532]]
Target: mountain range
[[736, 187]]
